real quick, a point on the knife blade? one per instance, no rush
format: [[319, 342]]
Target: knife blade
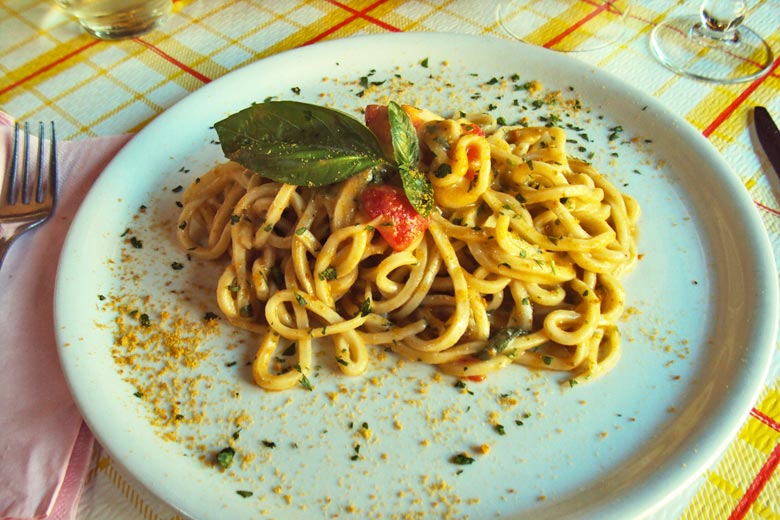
[[768, 136]]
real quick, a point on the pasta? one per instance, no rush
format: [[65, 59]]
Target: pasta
[[521, 261]]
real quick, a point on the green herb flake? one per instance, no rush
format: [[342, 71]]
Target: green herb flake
[[329, 273], [443, 170], [304, 381], [461, 459], [225, 457], [499, 341], [244, 493], [365, 307]]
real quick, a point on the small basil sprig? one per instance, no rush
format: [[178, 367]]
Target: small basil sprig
[[309, 145], [406, 149], [299, 143]]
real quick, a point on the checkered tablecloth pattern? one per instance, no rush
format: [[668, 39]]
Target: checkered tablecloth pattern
[[51, 70]]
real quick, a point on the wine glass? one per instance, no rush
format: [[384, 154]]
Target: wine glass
[[712, 46], [564, 25]]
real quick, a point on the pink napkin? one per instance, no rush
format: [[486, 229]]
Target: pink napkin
[[44, 444]]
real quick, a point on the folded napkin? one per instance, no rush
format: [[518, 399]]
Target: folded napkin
[[44, 444]]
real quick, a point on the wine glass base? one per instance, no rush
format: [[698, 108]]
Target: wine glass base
[[681, 47], [564, 25]]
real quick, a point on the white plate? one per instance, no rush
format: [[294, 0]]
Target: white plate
[[695, 353]]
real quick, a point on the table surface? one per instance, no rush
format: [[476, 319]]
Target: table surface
[[51, 70]]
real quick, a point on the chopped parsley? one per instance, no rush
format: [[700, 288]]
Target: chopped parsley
[[461, 459], [329, 273], [225, 457]]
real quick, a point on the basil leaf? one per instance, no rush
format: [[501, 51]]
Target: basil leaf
[[406, 148], [406, 151], [418, 190], [499, 341], [299, 143]]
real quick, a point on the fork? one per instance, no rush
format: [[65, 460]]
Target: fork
[[28, 193]]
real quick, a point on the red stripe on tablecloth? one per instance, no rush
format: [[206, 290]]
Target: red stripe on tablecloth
[[764, 418], [49, 66], [350, 19], [599, 9], [362, 14], [726, 113], [755, 487], [186, 68], [773, 211]]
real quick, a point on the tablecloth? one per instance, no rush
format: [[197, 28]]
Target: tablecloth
[[51, 70]]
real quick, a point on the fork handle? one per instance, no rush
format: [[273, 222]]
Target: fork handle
[[5, 243], [7, 235]]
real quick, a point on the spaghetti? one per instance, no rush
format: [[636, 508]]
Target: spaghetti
[[520, 263]]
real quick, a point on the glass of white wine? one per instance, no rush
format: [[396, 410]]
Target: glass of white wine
[[713, 45], [117, 19], [564, 25]]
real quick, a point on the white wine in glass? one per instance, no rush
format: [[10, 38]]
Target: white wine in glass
[[713, 45], [564, 25]]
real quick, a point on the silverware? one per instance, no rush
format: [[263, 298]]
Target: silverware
[[29, 187], [768, 136]]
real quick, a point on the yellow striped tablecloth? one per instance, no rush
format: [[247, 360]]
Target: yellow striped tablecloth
[[51, 70]]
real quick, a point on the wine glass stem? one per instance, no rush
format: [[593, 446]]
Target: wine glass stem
[[720, 19]]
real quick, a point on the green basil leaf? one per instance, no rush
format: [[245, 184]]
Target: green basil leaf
[[406, 151], [299, 143], [406, 147], [418, 190]]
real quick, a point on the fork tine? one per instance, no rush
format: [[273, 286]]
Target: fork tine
[[9, 181], [36, 191], [22, 192], [51, 192]]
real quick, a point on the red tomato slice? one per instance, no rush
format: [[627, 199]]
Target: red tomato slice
[[471, 128], [378, 122], [402, 225]]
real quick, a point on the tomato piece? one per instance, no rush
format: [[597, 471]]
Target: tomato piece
[[402, 225], [473, 155], [378, 122], [471, 128], [476, 379]]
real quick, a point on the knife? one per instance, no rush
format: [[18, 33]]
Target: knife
[[768, 136]]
